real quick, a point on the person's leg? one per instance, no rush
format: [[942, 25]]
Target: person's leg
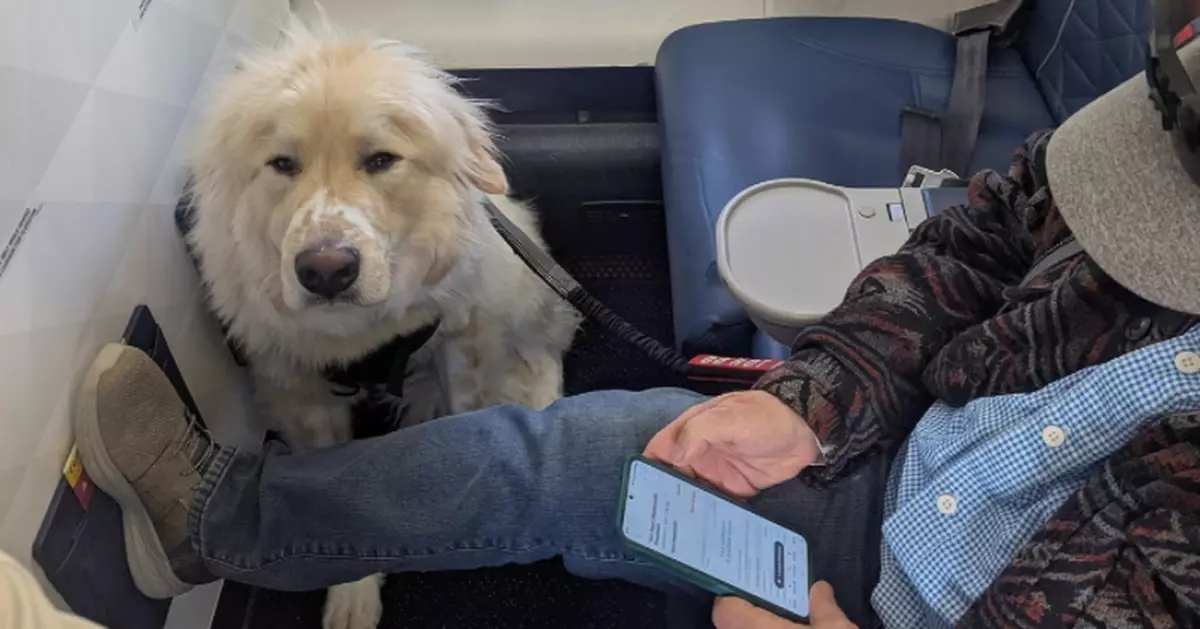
[[842, 524], [497, 486], [504, 485], [23, 604]]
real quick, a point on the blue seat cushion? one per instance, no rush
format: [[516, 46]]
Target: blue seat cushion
[[766, 347], [745, 101]]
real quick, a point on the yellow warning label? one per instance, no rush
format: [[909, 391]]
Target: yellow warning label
[[74, 467]]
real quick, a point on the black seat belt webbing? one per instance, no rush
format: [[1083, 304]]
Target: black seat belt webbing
[[1067, 249], [920, 139], [960, 123], [958, 126]]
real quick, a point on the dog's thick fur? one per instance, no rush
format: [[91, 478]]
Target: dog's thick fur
[[427, 250]]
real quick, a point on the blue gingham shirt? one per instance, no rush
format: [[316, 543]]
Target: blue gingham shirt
[[973, 484]]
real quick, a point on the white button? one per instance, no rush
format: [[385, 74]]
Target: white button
[[866, 211], [947, 504], [1187, 362], [1053, 436]]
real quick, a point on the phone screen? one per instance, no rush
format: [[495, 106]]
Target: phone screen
[[710, 534]]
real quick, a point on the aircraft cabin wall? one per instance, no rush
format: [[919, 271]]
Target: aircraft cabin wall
[[560, 33]]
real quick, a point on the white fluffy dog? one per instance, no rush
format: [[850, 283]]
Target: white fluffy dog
[[338, 205]]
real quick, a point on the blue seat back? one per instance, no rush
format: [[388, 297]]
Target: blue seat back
[[1077, 50]]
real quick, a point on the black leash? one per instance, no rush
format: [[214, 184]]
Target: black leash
[[569, 289]]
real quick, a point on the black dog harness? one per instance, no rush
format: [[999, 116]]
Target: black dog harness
[[386, 366]]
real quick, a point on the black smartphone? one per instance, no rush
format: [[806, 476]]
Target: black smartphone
[[706, 538]]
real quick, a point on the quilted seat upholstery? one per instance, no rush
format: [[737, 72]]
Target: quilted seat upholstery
[[1080, 49]]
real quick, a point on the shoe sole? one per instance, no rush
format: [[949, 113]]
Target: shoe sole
[[147, 558]]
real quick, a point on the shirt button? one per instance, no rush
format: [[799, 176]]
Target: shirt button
[[1138, 328], [1053, 436], [1187, 362], [947, 504]]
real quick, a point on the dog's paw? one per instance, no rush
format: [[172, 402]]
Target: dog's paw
[[354, 605]]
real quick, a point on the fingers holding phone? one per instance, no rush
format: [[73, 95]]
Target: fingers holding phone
[[701, 536], [735, 613]]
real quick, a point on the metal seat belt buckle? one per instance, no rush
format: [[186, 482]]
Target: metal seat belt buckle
[[921, 177]]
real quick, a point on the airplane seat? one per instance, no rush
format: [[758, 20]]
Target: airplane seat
[[745, 101]]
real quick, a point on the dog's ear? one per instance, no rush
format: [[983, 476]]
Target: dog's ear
[[483, 169]]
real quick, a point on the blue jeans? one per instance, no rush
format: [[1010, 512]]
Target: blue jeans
[[497, 486]]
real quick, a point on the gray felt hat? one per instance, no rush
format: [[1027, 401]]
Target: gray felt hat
[[1116, 180]]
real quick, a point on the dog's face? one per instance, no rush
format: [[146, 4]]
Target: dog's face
[[343, 172]]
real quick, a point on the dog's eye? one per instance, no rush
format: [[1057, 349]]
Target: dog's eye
[[285, 165], [379, 162]]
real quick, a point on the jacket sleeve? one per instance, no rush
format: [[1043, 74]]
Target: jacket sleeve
[[856, 376]]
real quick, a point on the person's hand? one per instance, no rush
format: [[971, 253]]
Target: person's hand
[[824, 613], [741, 442]]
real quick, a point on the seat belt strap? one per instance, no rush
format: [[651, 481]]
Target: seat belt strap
[[964, 112], [958, 126], [1067, 249], [920, 139]]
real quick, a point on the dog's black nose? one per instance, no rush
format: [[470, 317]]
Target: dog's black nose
[[327, 270]]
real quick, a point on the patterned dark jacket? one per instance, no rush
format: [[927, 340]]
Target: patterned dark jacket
[[946, 318]]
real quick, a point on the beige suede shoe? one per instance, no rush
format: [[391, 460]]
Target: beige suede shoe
[[142, 446]]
